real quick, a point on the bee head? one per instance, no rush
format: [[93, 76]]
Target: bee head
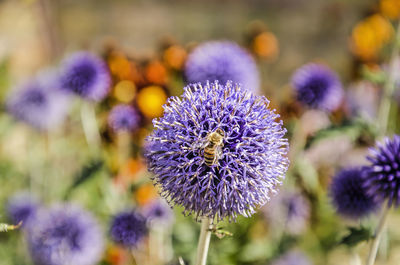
[[220, 132]]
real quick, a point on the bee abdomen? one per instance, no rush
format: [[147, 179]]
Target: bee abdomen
[[209, 156]]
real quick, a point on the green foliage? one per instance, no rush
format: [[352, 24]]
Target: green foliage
[[356, 235]]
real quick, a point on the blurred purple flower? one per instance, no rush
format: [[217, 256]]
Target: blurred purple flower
[[288, 210], [249, 163], [65, 234], [86, 75], [382, 178], [158, 212], [22, 207], [223, 61], [123, 118], [128, 228], [38, 102], [349, 196], [317, 87], [293, 257]]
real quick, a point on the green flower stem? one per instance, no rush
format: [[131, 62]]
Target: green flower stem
[[90, 127], [204, 242], [388, 89], [378, 234]]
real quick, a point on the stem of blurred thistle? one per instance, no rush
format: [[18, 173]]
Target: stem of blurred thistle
[[378, 234], [383, 120], [204, 242], [388, 89], [90, 127]]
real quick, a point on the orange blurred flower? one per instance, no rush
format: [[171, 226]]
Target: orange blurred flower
[[120, 66], [116, 255], [175, 56], [370, 35], [265, 45], [150, 100], [146, 194], [125, 91], [390, 8], [156, 73], [129, 172]]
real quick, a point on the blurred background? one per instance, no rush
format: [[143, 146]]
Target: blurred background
[[145, 45]]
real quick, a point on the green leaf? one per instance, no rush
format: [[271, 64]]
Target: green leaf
[[88, 171], [356, 130], [356, 235]]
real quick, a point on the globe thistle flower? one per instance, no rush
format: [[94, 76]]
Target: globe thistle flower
[[158, 212], [288, 210], [218, 151], [382, 178], [222, 61], [22, 207], [349, 196], [65, 234], [128, 228], [317, 87], [38, 103], [86, 75], [123, 118], [293, 257]]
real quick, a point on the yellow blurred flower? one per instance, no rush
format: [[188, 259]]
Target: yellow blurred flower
[[175, 56], [125, 91], [146, 194], [156, 73], [390, 8], [150, 100], [370, 35], [265, 45]]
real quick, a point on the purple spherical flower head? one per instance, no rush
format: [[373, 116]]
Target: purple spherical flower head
[[128, 228], [86, 75], [123, 118], [38, 102], [22, 207], [317, 87], [222, 61], [158, 212], [293, 257], [210, 177], [65, 234], [382, 178], [349, 196], [288, 210]]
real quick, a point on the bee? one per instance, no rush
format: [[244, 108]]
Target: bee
[[213, 148]]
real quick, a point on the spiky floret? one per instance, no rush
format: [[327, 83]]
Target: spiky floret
[[123, 118], [222, 61], [38, 102], [382, 178], [22, 207], [252, 161], [317, 86], [349, 196], [158, 212], [65, 234], [128, 228], [289, 210], [85, 75]]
